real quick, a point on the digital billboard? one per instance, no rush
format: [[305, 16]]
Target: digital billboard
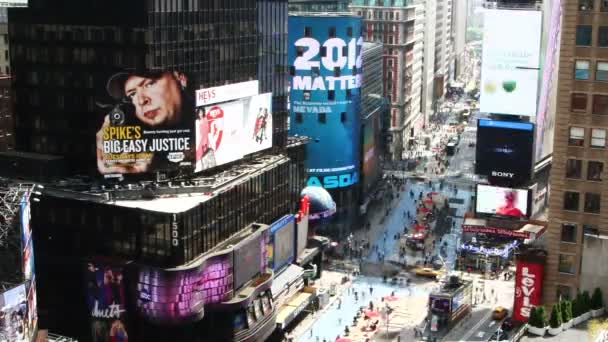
[[283, 237], [325, 59], [247, 256], [227, 131], [500, 201], [370, 152], [106, 301], [504, 151], [26, 238], [18, 314], [148, 124], [510, 67]]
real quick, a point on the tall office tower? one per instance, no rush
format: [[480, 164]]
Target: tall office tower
[[63, 52], [318, 5], [398, 25], [459, 30], [428, 63], [443, 47], [578, 209]]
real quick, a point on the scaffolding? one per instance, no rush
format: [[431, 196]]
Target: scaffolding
[[11, 195]]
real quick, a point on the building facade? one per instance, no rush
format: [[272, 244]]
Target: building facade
[[579, 197], [398, 25], [7, 135], [318, 5]]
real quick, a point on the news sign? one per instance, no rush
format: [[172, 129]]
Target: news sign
[[148, 124], [227, 131], [495, 200], [325, 58], [528, 289], [504, 151], [510, 67]]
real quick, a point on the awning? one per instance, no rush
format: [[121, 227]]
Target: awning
[[286, 277], [533, 231], [293, 308]]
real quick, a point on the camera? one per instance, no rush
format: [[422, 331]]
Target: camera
[[120, 113]]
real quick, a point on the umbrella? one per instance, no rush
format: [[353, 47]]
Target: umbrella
[[344, 339], [391, 298], [372, 314]]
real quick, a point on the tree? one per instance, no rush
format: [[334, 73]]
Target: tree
[[556, 317], [538, 317], [576, 309], [566, 308], [597, 299], [586, 302]]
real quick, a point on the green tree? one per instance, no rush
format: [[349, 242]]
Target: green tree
[[566, 309], [597, 299], [586, 301], [556, 317]]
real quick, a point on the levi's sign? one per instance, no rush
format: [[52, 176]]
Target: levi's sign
[[528, 288]]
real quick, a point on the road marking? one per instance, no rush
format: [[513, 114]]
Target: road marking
[[476, 326], [492, 323], [480, 334]]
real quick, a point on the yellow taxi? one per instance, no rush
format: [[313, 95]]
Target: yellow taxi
[[427, 272], [499, 313]]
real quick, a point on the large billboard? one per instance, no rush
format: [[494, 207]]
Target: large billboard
[[282, 242], [231, 122], [247, 256], [504, 151], [325, 59], [370, 171], [18, 313], [26, 238], [510, 67], [528, 289], [107, 302], [158, 121], [494, 200]]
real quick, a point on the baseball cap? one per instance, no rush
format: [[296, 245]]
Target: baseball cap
[[116, 82]]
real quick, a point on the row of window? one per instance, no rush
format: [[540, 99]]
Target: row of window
[[379, 15], [570, 231], [574, 169], [577, 137], [591, 203], [584, 36], [582, 70], [599, 103], [588, 5], [321, 117]]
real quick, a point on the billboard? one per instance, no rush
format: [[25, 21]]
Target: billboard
[[247, 258], [26, 238], [106, 301], [283, 241], [370, 152], [325, 59], [510, 67], [528, 289], [18, 313], [500, 201], [148, 126], [14, 3], [227, 131], [178, 295], [504, 151], [547, 102]]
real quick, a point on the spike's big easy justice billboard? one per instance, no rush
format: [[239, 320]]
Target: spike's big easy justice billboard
[[325, 56]]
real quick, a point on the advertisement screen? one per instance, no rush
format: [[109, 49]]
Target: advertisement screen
[[228, 131], [284, 244], [148, 124], [178, 296], [325, 59], [510, 67], [500, 201], [504, 150], [528, 289], [17, 322], [106, 301], [370, 152], [26, 238], [247, 261], [14, 3]]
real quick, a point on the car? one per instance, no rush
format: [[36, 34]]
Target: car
[[507, 324], [499, 313], [427, 272], [499, 335]]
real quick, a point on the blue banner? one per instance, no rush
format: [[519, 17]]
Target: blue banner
[[325, 55]]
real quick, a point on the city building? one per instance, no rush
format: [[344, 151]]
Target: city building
[[62, 55], [444, 55], [427, 102], [7, 135], [578, 198], [459, 30], [399, 26], [318, 5]]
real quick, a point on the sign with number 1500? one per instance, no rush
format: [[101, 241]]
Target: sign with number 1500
[[334, 54]]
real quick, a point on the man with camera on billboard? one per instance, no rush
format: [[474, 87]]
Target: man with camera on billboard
[[150, 126]]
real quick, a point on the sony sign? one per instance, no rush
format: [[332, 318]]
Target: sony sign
[[503, 174], [528, 287]]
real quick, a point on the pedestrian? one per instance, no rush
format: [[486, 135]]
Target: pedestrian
[[371, 290]]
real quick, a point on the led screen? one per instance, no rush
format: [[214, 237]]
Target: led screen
[[247, 258], [18, 313], [284, 244], [502, 201], [325, 58], [504, 150], [510, 67]]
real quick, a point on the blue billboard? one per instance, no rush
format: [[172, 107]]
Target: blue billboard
[[325, 56]]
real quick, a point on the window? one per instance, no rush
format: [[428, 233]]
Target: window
[[299, 118], [583, 35], [307, 31], [600, 104], [331, 95], [571, 200], [307, 95], [299, 51], [579, 102], [602, 36], [592, 203], [343, 117], [322, 118], [332, 32], [568, 232], [563, 292], [573, 168], [594, 171], [598, 138], [577, 136], [604, 6], [566, 263], [581, 70], [601, 73], [585, 5], [589, 229]]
